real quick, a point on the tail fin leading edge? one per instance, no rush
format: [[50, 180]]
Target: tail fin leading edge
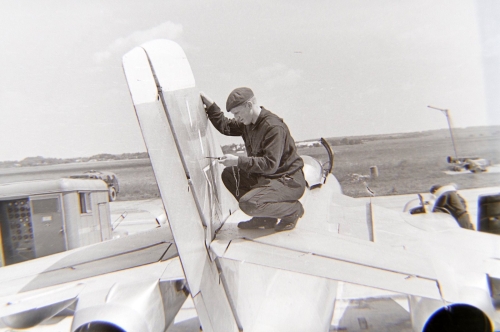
[[177, 137]]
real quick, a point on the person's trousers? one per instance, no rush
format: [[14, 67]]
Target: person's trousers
[[263, 197]]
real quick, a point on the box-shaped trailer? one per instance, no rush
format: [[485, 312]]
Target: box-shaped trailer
[[40, 218]]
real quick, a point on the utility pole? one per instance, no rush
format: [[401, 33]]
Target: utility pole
[[445, 111]]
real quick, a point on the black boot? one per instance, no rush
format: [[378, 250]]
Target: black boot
[[289, 222], [258, 222]]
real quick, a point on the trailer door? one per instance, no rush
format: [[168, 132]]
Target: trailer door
[[47, 216], [104, 221]]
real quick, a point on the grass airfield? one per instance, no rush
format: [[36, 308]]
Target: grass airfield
[[414, 162]]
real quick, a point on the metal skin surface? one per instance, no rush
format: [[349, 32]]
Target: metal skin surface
[[193, 215], [272, 299], [146, 305], [39, 310]]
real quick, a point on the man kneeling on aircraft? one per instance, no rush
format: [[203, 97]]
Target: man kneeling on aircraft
[[269, 181], [448, 200]]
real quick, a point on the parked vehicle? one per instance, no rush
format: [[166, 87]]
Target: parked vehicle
[[43, 217], [475, 165], [110, 178]]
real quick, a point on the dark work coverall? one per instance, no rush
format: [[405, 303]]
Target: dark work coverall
[[451, 201], [268, 181]]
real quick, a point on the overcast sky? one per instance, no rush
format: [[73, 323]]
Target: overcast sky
[[329, 68]]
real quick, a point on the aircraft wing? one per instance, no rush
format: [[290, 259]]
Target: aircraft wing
[[339, 259], [473, 197], [135, 283], [258, 280]]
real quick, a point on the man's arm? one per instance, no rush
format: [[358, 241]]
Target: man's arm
[[273, 145], [225, 126]]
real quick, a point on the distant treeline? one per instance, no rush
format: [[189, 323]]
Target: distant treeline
[[42, 161], [468, 132]]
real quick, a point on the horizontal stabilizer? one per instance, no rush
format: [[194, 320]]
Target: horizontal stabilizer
[[31, 308], [105, 257], [336, 267]]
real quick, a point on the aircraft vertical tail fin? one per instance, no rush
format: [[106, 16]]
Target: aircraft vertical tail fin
[[178, 138]]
